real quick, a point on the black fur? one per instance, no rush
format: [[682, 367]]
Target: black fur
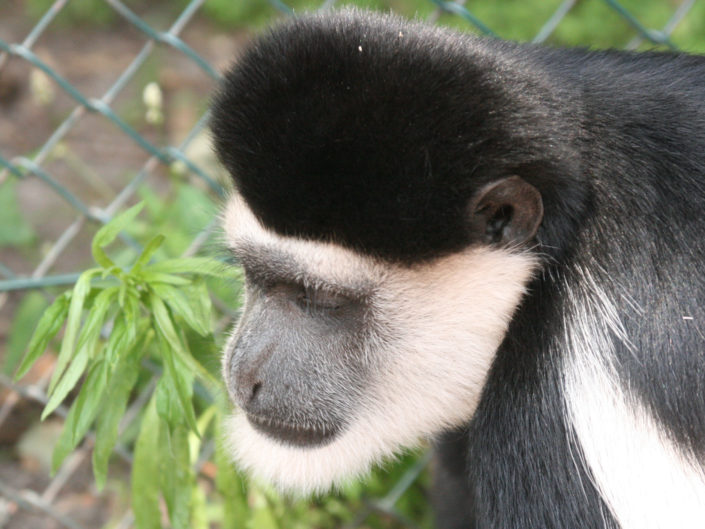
[[375, 133]]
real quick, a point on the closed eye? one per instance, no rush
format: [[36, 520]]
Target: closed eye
[[319, 299], [307, 298]]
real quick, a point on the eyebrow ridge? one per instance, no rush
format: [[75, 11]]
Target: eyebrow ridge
[[270, 264]]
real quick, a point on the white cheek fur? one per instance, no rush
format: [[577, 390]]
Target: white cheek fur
[[437, 328], [449, 319]]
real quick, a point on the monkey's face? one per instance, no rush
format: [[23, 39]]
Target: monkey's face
[[340, 359]]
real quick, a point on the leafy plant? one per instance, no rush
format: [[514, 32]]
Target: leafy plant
[[117, 320]]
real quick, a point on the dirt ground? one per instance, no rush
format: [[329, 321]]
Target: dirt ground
[[95, 160]]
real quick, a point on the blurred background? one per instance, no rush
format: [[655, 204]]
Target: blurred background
[[104, 103]]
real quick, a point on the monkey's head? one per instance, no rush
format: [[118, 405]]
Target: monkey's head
[[389, 188]]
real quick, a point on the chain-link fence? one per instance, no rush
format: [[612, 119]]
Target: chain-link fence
[[89, 121]]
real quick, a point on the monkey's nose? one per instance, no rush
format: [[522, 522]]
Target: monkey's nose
[[247, 393], [248, 372]]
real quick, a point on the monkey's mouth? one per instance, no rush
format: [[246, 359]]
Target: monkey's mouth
[[294, 434]]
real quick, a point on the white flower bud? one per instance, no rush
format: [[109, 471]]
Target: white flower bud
[[41, 88], [152, 96]]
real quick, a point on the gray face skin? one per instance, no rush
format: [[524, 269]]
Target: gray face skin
[[296, 364]]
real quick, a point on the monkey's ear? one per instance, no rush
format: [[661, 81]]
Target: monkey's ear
[[506, 212]]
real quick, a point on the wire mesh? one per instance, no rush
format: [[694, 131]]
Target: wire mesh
[[37, 162]]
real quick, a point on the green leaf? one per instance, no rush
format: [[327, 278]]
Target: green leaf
[[68, 381], [107, 234], [86, 404], [82, 413], [205, 353], [145, 471], [195, 265], [121, 340], [169, 344], [204, 420], [148, 252], [113, 270], [165, 325], [87, 341], [200, 298], [122, 294], [122, 380], [181, 380], [131, 309], [26, 318], [169, 405], [154, 277], [176, 476], [49, 324], [80, 291], [188, 302], [94, 322]]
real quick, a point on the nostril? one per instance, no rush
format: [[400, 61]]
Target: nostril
[[246, 392], [255, 389]]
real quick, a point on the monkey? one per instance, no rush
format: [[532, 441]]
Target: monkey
[[498, 247]]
